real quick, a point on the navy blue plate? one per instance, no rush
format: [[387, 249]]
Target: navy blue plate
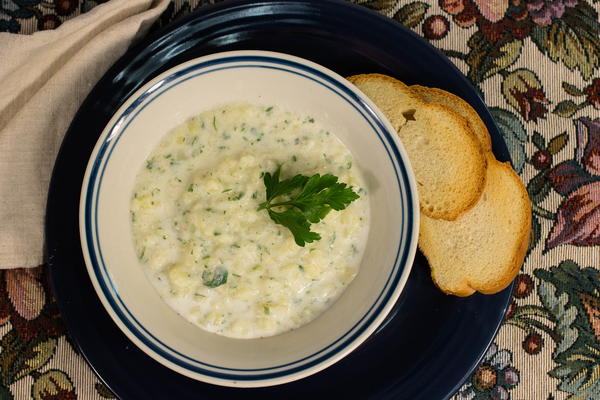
[[428, 345]]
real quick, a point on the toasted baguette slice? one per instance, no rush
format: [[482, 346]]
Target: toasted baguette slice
[[447, 159], [391, 96], [484, 249], [455, 103]]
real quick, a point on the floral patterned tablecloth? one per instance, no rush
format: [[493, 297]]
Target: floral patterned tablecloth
[[536, 65]]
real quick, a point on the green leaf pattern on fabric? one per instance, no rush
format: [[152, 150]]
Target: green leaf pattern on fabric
[[573, 39], [486, 58], [412, 14], [570, 293], [514, 135]]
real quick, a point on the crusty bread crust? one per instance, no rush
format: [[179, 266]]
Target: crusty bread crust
[[447, 158], [435, 95], [484, 249]]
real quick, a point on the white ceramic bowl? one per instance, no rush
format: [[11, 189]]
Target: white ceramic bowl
[[261, 78]]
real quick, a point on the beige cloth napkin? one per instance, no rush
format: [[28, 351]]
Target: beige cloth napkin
[[45, 77]]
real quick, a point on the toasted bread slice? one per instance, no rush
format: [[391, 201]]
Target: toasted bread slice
[[396, 100], [455, 103], [484, 249], [447, 159]]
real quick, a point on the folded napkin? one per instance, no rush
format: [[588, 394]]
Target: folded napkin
[[45, 77]]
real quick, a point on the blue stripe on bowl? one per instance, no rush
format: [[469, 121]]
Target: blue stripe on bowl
[[95, 251]]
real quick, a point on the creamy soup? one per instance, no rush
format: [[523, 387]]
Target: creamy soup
[[214, 257]]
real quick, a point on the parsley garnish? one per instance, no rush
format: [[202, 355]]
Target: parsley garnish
[[216, 278], [310, 200]]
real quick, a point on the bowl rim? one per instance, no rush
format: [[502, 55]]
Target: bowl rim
[[163, 353]]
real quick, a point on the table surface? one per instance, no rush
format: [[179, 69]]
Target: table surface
[[535, 62]]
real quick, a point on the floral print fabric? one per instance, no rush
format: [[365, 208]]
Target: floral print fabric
[[536, 65]]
